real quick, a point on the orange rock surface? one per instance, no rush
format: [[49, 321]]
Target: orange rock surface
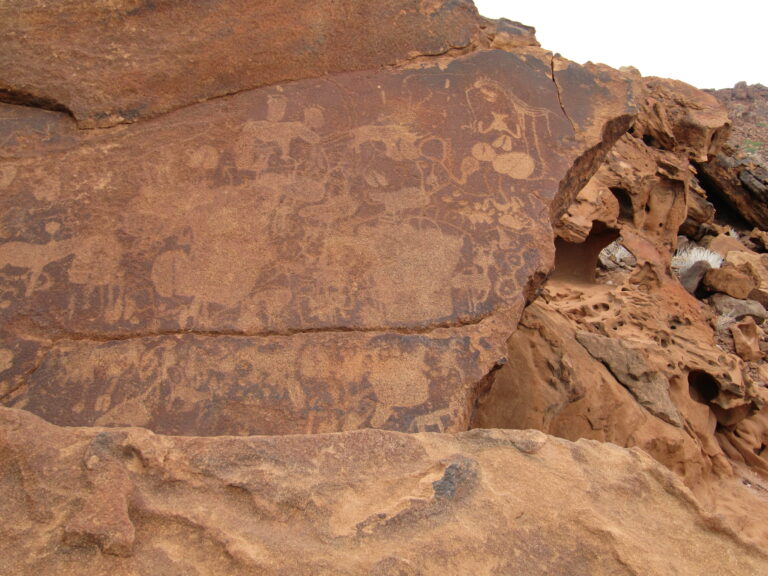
[[351, 289]]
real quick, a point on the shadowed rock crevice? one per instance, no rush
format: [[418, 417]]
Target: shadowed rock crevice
[[479, 397], [559, 94], [626, 208], [702, 386], [577, 262], [20, 98], [729, 197], [57, 337]]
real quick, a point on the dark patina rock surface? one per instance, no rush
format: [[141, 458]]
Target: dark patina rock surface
[[324, 255]]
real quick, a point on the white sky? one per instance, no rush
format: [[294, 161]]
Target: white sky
[[705, 43]]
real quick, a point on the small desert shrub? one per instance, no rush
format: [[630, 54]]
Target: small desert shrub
[[687, 256]]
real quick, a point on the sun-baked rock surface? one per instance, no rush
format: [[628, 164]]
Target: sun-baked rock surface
[[124, 501], [353, 249], [326, 255], [613, 326], [119, 61]]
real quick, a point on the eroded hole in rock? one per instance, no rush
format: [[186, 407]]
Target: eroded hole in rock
[[626, 210], [649, 140], [702, 386], [578, 262]]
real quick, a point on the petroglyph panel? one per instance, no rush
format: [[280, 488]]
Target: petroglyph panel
[[407, 204], [306, 383], [402, 199]]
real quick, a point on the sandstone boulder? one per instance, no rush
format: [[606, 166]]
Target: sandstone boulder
[[737, 309], [723, 244], [692, 276], [730, 280], [125, 502], [746, 339]]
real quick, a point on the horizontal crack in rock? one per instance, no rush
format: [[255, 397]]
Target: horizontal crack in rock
[[109, 337]]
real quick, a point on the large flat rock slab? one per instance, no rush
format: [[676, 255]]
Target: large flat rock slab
[[123, 60], [323, 255]]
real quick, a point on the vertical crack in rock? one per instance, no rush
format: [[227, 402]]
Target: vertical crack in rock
[[559, 95], [481, 390]]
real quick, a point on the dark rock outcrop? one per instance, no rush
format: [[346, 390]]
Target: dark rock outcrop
[[738, 176]]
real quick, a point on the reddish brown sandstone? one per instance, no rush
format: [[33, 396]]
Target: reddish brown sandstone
[[296, 221]]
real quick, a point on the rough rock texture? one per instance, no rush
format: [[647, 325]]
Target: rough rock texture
[[630, 367], [746, 339], [738, 309], [738, 175], [597, 338], [554, 383], [325, 255], [642, 187], [124, 501], [128, 59], [740, 183], [295, 222], [748, 109], [730, 280]]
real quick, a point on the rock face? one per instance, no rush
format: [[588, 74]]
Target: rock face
[[124, 501], [326, 255], [368, 221], [630, 368], [130, 59], [742, 184], [748, 109], [738, 175]]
